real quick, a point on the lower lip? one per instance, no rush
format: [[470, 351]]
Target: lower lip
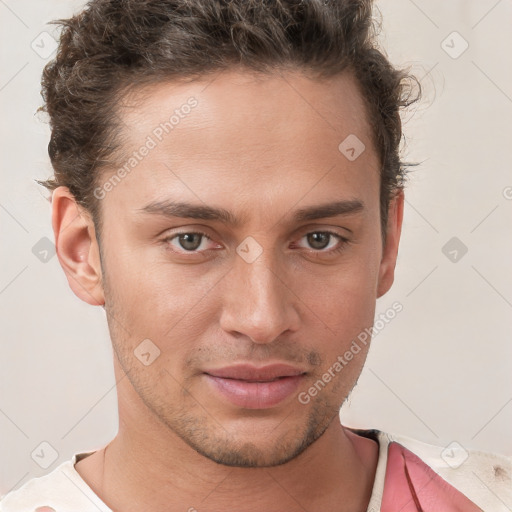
[[255, 395]]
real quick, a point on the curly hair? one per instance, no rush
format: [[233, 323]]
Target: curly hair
[[114, 45]]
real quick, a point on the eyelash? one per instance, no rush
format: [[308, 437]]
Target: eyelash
[[343, 242]]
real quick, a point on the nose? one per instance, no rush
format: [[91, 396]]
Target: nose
[[258, 302]]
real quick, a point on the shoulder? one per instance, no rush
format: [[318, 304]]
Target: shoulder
[[484, 477], [61, 490], [37, 492]]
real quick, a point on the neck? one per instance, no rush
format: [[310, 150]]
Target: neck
[[146, 466]]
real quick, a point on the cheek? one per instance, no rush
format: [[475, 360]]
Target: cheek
[[149, 287], [347, 308], [165, 303], [345, 301]]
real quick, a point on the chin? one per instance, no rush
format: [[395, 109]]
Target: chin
[[250, 455], [252, 449]]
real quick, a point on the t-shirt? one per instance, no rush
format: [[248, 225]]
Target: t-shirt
[[411, 476]]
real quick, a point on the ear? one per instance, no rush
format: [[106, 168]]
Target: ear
[[390, 252], [77, 247]]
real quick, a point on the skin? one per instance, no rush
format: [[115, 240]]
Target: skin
[[261, 147]]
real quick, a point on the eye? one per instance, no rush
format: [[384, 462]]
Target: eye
[[325, 241], [193, 241], [196, 242]]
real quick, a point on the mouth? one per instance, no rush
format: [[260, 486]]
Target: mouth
[[250, 387]]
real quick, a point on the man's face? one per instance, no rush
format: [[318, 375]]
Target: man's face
[[271, 288]]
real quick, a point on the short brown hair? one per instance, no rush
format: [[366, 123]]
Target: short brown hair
[[113, 45]]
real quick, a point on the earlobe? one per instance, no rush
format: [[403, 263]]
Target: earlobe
[[390, 252], [77, 247]]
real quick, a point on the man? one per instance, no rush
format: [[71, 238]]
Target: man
[[228, 187]]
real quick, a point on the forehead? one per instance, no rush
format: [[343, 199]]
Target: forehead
[[244, 134], [265, 106]]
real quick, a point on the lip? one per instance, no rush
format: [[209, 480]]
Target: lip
[[252, 387], [253, 373]]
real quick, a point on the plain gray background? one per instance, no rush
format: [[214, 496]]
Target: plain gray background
[[439, 372]]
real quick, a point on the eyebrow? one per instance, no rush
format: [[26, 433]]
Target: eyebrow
[[169, 208]]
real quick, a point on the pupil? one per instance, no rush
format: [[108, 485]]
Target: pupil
[[323, 238], [186, 241]]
